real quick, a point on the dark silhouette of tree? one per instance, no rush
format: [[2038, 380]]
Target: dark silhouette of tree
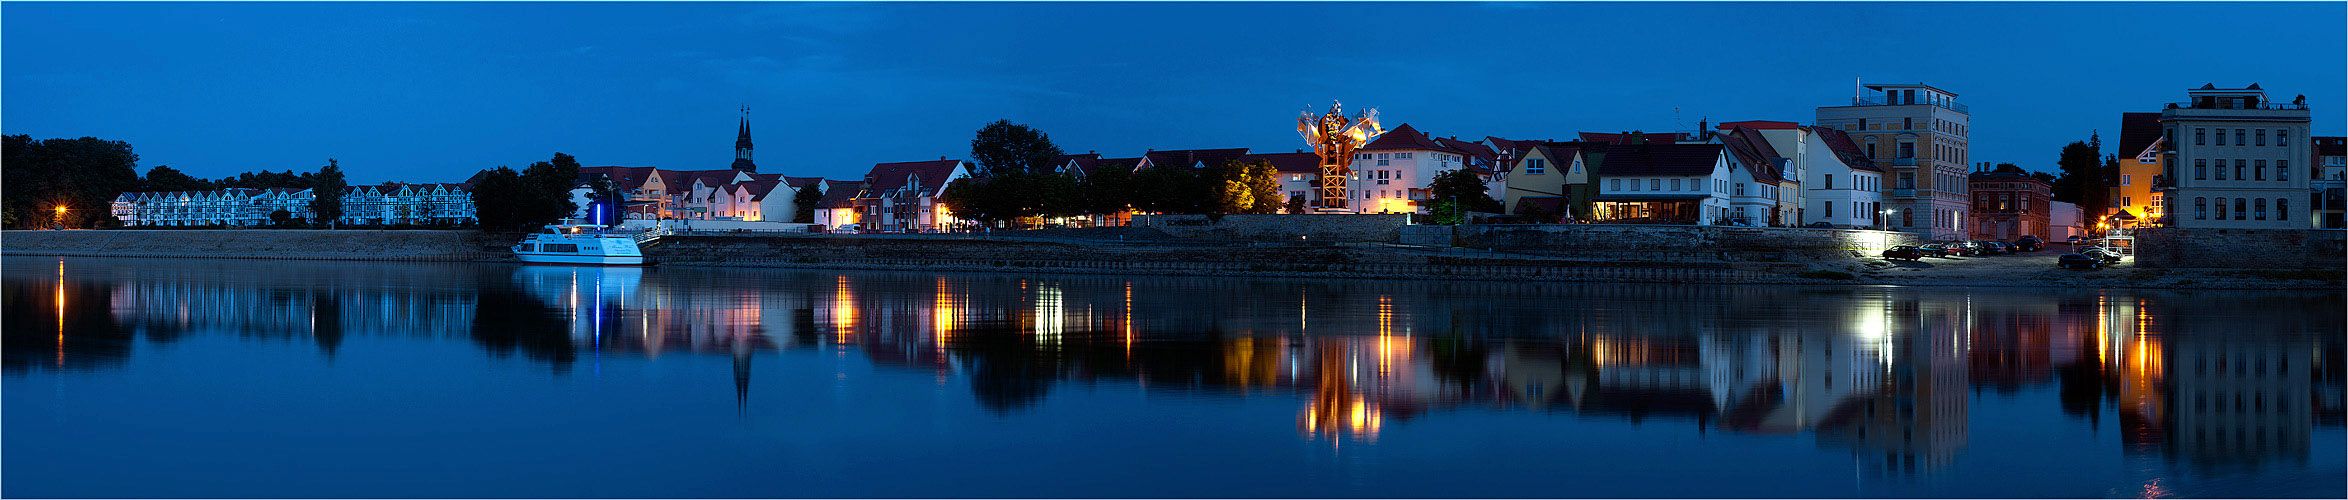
[[1107, 189], [547, 190], [84, 175], [804, 202], [280, 217], [1003, 148], [1457, 191], [165, 178], [497, 199], [326, 194], [2083, 181], [603, 191]]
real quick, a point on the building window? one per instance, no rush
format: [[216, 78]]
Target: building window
[[2221, 204], [2283, 137], [1907, 150], [2261, 135], [1634, 184], [2260, 206], [2221, 137], [1617, 183], [1383, 156], [2238, 138], [1383, 162], [1830, 209], [2258, 167], [2238, 212], [1830, 181], [1654, 184], [2200, 169], [1400, 156], [1740, 189], [2282, 209], [2198, 137], [1675, 184], [2127, 201], [1907, 123], [2282, 170], [2221, 169], [1871, 148], [1535, 166], [2239, 166]]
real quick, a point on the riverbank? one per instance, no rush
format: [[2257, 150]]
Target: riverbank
[[298, 244], [1150, 252]]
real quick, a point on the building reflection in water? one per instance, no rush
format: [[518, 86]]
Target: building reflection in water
[[1887, 374]]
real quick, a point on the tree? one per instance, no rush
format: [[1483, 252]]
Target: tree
[[280, 217], [1263, 186], [546, 191], [326, 190], [805, 200], [2083, 181], [1296, 205], [601, 190], [1465, 187], [497, 199], [165, 178], [84, 175], [1108, 189], [1003, 148]]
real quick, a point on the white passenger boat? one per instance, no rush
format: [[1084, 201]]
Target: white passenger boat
[[584, 244]]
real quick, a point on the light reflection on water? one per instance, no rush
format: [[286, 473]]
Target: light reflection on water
[[2220, 388]]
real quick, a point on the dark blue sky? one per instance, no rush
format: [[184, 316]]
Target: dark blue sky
[[426, 92]]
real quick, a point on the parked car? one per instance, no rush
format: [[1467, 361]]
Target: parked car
[[1988, 247], [2078, 261], [2075, 239], [2005, 248], [2030, 243], [1933, 250], [2103, 254], [1822, 225], [1904, 252]]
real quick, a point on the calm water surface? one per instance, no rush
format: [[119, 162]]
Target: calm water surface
[[201, 378]]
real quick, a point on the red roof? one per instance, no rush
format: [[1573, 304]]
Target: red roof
[[1754, 151], [1624, 138], [931, 175], [1404, 138], [1844, 148], [1192, 158], [1660, 159], [1288, 163]]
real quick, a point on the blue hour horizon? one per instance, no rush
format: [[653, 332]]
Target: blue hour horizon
[[435, 92]]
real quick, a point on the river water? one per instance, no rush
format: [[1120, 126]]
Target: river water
[[246, 378]]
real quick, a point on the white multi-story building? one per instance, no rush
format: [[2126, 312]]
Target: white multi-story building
[[1670, 183], [388, 203], [1918, 135], [1392, 173], [1839, 185], [2234, 160]]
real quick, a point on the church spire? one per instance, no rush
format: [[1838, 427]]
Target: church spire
[[742, 145]]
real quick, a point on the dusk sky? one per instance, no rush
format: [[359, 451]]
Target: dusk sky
[[432, 92]]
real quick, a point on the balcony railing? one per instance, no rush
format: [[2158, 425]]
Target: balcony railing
[[1903, 193], [1870, 101], [2269, 106], [1903, 162]]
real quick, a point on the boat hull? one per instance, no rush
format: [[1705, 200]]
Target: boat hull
[[581, 260]]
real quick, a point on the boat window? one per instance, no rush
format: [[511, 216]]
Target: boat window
[[559, 247]]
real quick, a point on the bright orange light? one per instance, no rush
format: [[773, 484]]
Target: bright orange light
[[61, 209]]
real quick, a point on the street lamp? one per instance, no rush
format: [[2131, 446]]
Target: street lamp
[[59, 221]]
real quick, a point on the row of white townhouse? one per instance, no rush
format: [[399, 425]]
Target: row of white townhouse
[[387, 203]]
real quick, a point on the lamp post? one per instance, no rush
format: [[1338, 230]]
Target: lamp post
[[58, 221]]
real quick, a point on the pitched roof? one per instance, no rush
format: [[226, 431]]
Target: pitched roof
[[2330, 146], [839, 194], [758, 189], [2137, 132], [1082, 163], [1754, 151], [1188, 158], [627, 178], [1624, 138], [1405, 137], [1660, 159], [1844, 148], [931, 174], [1470, 148], [1288, 163]]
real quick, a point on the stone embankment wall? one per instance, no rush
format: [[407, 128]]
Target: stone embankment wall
[[1346, 228], [1631, 240], [2242, 248], [413, 245]]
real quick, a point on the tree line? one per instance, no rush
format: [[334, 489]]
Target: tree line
[[1016, 181]]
